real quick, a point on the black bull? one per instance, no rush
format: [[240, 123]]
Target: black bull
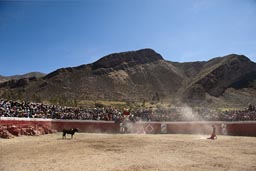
[[69, 131]]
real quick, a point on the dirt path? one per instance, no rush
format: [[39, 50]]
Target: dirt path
[[110, 152]]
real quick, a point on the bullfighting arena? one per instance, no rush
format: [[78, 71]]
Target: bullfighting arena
[[127, 152]]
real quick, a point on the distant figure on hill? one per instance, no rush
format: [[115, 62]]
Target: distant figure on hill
[[213, 136]]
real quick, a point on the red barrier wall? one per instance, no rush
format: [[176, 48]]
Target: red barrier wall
[[87, 126], [241, 129], [193, 127], [148, 127], [25, 121], [59, 125], [222, 128]]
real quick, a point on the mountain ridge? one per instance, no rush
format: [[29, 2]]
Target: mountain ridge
[[26, 75], [142, 75]]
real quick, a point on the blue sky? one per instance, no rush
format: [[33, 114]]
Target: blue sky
[[47, 35]]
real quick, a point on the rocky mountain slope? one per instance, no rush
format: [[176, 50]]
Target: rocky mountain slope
[[143, 75], [17, 77]]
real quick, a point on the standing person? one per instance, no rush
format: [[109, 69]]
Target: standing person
[[213, 136]]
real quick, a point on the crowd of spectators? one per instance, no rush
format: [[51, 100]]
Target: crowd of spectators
[[39, 110], [10, 108], [205, 114]]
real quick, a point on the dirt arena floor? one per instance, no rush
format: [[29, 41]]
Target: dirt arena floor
[[130, 152]]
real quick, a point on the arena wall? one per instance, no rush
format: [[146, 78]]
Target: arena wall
[[87, 126], [222, 128], [25, 121], [242, 128]]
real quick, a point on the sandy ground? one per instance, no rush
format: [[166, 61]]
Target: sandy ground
[[130, 152]]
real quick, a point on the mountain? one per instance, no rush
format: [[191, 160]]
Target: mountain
[[214, 77], [17, 77], [144, 75], [3, 79]]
